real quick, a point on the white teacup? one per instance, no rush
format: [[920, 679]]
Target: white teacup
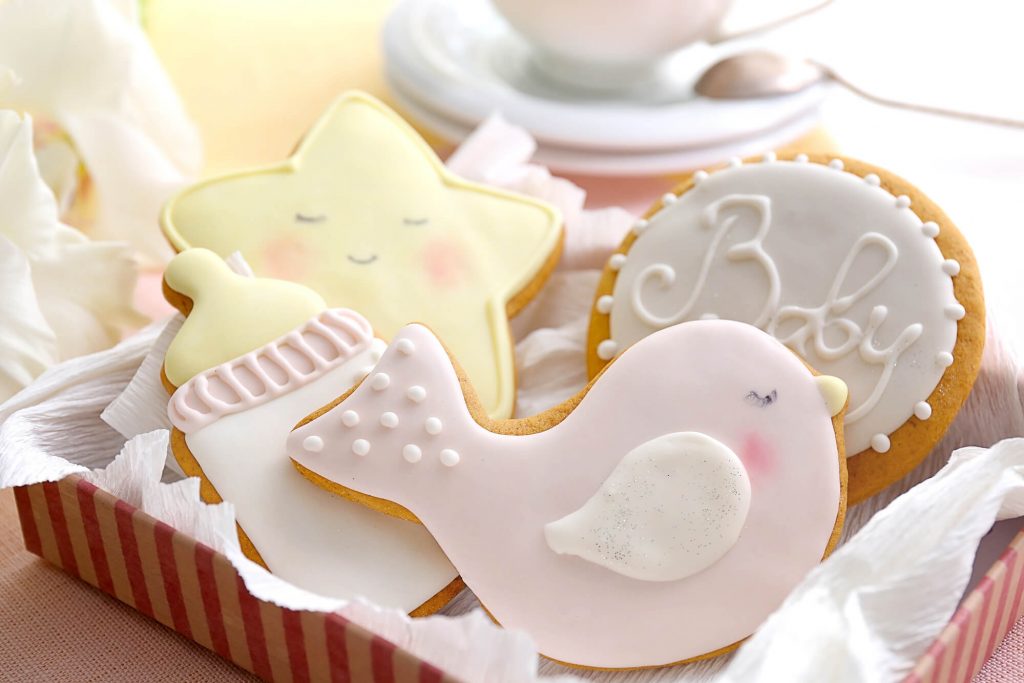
[[606, 44]]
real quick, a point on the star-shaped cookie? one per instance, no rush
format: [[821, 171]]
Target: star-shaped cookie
[[367, 215]]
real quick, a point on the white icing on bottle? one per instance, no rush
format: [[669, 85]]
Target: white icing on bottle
[[236, 418]]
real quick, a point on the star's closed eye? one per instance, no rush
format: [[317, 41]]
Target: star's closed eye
[[764, 401], [304, 218], [415, 221]]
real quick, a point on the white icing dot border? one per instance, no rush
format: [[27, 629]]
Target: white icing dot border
[[607, 349]]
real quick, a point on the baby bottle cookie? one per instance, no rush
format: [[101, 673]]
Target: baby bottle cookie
[[365, 214], [253, 357], [851, 267], [657, 517]]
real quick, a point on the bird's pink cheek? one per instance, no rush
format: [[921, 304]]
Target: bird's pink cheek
[[758, 456], [285, 258], [445, 263]]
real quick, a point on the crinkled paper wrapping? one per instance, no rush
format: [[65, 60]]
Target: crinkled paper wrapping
[[867, 613]]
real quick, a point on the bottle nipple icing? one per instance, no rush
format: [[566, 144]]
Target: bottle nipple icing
[[231, 314]]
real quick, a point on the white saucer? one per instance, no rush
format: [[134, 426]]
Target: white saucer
[[454, 62], [625, 163]]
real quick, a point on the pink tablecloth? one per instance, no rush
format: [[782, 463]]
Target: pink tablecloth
[[1007, 663]]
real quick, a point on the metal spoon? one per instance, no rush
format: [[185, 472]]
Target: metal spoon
[[767, 74]]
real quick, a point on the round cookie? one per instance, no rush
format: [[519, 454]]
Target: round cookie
[[850, 266], [670, 498], [253, 357], [366, 215]]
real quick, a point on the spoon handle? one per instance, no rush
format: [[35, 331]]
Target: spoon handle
[[769, 25], [923, 108]]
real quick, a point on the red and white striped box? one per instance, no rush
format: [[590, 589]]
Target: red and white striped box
[[984, 618], [189, 587]]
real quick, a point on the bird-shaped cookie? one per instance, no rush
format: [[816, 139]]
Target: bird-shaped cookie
[[657, 517], [365, 214]]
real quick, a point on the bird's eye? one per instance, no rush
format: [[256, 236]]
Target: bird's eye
[[762, 400], [415, 221], [307, 218]]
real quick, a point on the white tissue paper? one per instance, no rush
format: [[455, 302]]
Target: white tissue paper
[[868, 613]]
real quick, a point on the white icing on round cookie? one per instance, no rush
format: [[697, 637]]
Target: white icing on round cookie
[[671, 508], [828, 262]]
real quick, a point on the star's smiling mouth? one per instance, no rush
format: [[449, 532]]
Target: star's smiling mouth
[[362, 261]]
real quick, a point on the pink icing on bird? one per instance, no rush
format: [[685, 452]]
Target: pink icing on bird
[[492, 500], [758, 456]]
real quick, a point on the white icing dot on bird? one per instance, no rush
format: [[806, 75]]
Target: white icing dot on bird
[[955, 312], [735, 162], [836, 164], [800, 158], [616, 261], [922, 410], [313, 444], [902, 202], [389, 420], [433, 426], [412, 453], [951, 267], [604, 304], [405, 347], [872, 179], [639, 225], [350, 418], [375, 355], [416, 393], [699, 177], [880, 443], [930, 229], [768, 157], [449, 457], [606, 349], [944, 359], [380, 381], [668, 199], [360, 446]]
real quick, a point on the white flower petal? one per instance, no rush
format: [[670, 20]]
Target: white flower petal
[[28, 209], [62, 295], [85, 294], [27, 344], [87, 65], [128, 210]]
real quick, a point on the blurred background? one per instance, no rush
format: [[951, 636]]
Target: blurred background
[[132, 100]]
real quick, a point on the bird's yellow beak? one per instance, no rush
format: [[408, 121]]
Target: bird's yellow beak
[[834, 391]]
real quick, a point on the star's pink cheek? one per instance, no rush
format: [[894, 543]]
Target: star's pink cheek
[[758, 456], [285, 258], [444, 263]]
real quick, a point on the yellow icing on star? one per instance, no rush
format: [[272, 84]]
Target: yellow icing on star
[[367, 215], [231, 314]]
